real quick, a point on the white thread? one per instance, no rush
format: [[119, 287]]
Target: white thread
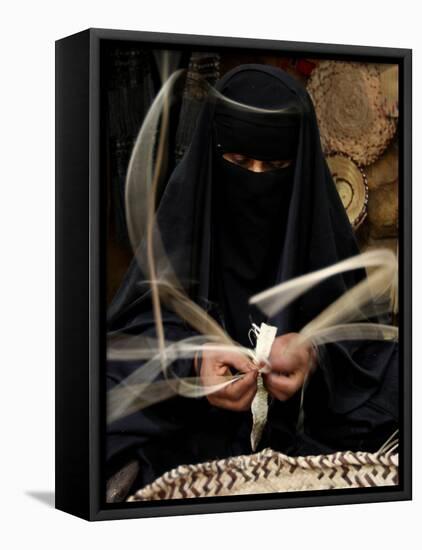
[[391, 443]]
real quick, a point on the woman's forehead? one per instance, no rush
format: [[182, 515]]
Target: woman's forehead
[[240, 155], [258, 87], [261, 142]]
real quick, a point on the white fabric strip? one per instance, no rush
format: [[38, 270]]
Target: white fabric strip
[[265, 338]]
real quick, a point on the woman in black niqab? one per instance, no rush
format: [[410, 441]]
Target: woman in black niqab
[[249, 209], [229, 233]]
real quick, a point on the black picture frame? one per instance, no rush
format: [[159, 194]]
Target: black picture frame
[[80, 286]]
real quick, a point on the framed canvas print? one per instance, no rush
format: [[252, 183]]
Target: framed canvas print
[[233, 326]]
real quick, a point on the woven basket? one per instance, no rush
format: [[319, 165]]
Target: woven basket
[[352, 104], [352, 186], [272, 472]]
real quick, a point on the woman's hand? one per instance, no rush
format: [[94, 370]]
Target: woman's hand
[[288, 368], [214, 368]]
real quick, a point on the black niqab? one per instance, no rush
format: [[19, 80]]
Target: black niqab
[[250, 211]]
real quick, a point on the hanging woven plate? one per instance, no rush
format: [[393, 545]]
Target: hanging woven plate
[[350, 108], [352, 186]]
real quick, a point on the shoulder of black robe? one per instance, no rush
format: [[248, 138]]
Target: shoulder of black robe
[[318, 234]]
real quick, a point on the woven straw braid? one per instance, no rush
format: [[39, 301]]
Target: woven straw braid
[[272, 472]]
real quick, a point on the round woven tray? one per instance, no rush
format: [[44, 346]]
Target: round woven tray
[[351, 108], [272, 472], [352, 186]]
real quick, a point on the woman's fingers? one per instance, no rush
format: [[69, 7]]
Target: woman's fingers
[[236, 360], [285, 357], [238, 389], [288, 363], [215, 367], [283, 387], [243, 403], [246, 401]]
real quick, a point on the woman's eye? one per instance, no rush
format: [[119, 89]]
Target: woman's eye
[[247, 162], [240, 159], [236, 158], [279, 164]]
